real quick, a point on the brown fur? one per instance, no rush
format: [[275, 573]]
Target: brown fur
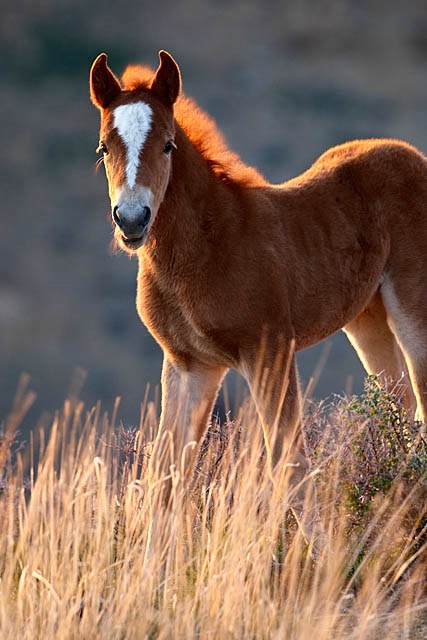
[[237, 272]]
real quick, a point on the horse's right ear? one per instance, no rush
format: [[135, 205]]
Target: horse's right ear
[[104, 86]]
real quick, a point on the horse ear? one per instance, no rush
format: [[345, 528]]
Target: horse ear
[[104, 86], [167, 81]]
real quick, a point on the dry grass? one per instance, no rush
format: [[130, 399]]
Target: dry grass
[[88, 548]]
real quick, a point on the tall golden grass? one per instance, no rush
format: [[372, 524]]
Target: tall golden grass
[[90, 549]]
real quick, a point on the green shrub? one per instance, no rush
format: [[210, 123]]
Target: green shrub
[[373, 462], [385, 447]]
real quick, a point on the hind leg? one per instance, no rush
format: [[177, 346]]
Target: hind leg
[[407, 317], [376, 345]]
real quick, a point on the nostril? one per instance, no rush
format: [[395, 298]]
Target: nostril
[[116, 217], [146, 216]]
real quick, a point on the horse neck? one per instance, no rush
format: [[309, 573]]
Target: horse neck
[[195, 204]]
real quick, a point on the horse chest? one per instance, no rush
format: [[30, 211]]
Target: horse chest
[[176, 321]]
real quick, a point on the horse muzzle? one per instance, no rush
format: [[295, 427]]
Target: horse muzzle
[[133, 225]]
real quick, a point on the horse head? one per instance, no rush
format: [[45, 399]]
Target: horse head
[[136, 141]]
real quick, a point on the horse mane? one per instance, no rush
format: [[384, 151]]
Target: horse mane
[[202, 130]]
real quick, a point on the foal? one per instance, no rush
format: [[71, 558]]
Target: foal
[[236, 272]]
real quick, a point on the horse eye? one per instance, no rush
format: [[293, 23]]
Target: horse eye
[[102, 148], [169, 146]]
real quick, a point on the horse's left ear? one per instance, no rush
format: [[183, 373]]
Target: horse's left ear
[[167, 81], [104, 86]]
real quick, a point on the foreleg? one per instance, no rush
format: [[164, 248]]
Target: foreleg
[[188, 396]]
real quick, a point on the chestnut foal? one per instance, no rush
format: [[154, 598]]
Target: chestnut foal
[[237, 272]]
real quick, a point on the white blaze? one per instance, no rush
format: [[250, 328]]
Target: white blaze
[[133, 122]]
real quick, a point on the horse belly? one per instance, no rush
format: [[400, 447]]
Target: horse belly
[[336, 291]]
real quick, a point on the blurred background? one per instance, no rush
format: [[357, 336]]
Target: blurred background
[[284, 80]]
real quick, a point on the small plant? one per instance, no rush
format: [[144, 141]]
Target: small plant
[[385, 447], [377, 456]]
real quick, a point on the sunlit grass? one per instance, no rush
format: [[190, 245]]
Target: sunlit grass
[[90, 547]]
